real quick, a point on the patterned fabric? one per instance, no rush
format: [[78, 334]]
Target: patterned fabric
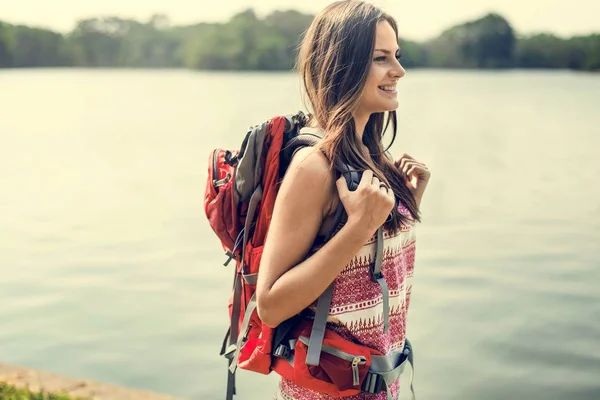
[[356, 310]]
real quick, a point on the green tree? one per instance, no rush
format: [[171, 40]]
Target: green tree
[[290, 26], [247, 42], [97, 42], [487, 42], [6, 46], [150, 44], [541, 51], [413, 54], [243, 43], [22, 46], [585, 52]]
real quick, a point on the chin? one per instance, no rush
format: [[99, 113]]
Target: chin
[[389, 108], [384, 107]]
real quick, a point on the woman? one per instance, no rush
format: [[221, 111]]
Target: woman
[[349, 62]]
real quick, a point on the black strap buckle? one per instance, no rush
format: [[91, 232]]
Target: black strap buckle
[[230, 159], [230, 256], [376, 276], [373, 384], [282, 351]]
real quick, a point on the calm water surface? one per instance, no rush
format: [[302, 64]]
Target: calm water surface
[[109, 271]]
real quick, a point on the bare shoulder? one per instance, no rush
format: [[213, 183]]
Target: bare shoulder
[[309, 175], [310, 161]]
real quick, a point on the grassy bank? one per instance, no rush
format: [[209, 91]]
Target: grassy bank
[[9, 392]]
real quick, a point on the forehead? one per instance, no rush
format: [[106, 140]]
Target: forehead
[[385, 37]]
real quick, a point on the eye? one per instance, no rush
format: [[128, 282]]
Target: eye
[[398, 56], [380, 58]]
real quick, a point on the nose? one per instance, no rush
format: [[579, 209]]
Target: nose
[[398, 71]]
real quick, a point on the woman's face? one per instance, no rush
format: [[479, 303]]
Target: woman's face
[[379, 93]]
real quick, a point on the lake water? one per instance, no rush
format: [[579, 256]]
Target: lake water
[[109, 270]]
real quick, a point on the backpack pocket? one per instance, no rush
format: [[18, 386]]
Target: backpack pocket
[[220, 204], [342, 367]]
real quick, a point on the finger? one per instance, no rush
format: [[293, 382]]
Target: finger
[[366, 179], [405, 161], [392, 195], [415, 162], [403, 157], [407, 166], [384, 188], [389, 193], [375, 181], [417, 169], [342, 187], [406, 158]]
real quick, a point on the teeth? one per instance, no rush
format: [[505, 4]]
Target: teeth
[[388, 88]]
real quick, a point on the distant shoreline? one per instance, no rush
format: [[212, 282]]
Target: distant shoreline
[[249, 43]]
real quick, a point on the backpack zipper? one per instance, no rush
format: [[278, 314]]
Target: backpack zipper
[[223, 181], [355, 373], [215, 170], [356, 360], [220, 182]]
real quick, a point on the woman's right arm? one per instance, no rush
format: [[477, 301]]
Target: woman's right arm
[[287, 282]]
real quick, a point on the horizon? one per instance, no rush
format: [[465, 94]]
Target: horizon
[[416, 22]]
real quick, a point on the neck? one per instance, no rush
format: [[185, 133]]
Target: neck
[[360, 122]]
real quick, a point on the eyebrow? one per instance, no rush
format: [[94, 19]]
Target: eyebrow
[[385, 51]]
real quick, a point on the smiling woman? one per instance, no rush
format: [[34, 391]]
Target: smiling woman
[[355, 286], [325, 253]]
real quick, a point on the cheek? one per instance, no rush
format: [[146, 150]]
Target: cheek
[[372, 84], [374, 79]]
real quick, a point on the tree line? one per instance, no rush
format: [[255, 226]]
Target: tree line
[[247, 42]]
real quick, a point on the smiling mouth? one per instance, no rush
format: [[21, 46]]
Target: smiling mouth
[[388, 89]]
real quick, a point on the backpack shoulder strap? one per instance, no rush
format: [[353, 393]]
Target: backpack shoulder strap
[[296, 140]]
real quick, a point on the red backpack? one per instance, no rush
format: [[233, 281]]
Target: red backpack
[[240, 194]]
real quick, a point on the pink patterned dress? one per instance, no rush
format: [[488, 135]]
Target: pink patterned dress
[[356, 310]]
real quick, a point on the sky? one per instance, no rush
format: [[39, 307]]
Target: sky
[[418, 19]]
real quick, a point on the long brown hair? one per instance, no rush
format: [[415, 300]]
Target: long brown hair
[[334, 60]]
